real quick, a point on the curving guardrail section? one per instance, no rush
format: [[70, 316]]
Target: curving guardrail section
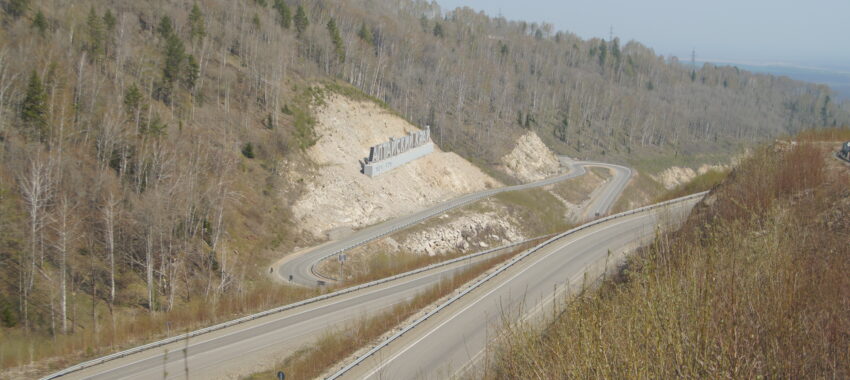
[[448, 206], [382, 231], [501, 269], [234, 322]]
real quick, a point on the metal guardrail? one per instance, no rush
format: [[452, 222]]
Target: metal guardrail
[[501, 269], [448, 206], [460, 202], [276, 310]]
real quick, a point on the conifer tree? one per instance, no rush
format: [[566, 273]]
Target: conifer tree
[[40, 23], [175, 55], [301, 21], [132, 100], [197, 30], [615, 51], [365, 34], [438, 30], [192, 72], [603, 53], [339, 47], [34, 108], [109, 21], [96, 34], [165, 28], [284, 13]]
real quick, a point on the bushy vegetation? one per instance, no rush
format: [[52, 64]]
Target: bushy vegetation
[[754, 286], [127, 193]]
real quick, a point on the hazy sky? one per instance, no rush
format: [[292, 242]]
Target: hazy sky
[[809, 32]]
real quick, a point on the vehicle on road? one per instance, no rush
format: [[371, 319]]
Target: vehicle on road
[[844, 153]]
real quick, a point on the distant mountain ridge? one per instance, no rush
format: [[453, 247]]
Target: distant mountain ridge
[[838, 79]]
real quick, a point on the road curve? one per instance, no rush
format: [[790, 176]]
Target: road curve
[[229, 351], [450, 342], [242, 349], [299, 269]]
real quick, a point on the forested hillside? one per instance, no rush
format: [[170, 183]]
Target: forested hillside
[[145, 145]]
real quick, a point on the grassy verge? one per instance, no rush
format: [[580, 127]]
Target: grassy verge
[[702, 182], [334, 346], [382, 265], [578, 190], [538, 210], [754, 286]]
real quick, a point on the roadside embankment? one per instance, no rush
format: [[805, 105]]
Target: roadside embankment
[[755, 285]]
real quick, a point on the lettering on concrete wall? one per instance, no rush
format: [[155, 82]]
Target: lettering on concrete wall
[[394, 147], [396, 152]]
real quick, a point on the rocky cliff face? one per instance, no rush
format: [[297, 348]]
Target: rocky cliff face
[[337, 195], [475, 231], [531, 160]]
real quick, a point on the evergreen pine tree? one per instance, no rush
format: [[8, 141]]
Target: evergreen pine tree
[[96, 34], [197, 30], [248, 150], [132, 100], [175, 55], [339, 47], [284, 13], [109, 21], [365, 34], [615, 51], [192, 72], [165, 28], [438, 30], [301, 21], [40, 24], [603, 53], [34, 108]]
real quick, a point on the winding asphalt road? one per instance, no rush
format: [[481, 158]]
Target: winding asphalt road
[[299, 268], [451, 343], [245, 348], [240, 349]]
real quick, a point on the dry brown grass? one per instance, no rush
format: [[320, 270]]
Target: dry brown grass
[[755, 285], [825, 134], [334, 346], [137, 328]]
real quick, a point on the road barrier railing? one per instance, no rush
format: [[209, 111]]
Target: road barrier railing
[[459, 202], [462, 201], [248, 318], [276, 310], [501, 269]]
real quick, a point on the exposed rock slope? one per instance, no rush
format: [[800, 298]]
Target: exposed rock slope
[[338, 195], [531, 160]]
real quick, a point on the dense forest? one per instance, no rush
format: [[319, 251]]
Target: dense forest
[[143, 143]]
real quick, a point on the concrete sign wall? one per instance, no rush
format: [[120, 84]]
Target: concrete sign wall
[[396, 152]]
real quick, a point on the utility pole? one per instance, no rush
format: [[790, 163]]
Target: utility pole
[[694, 59]]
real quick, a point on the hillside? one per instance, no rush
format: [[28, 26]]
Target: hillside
[[337, 195], [754, 285], [155, 156]]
